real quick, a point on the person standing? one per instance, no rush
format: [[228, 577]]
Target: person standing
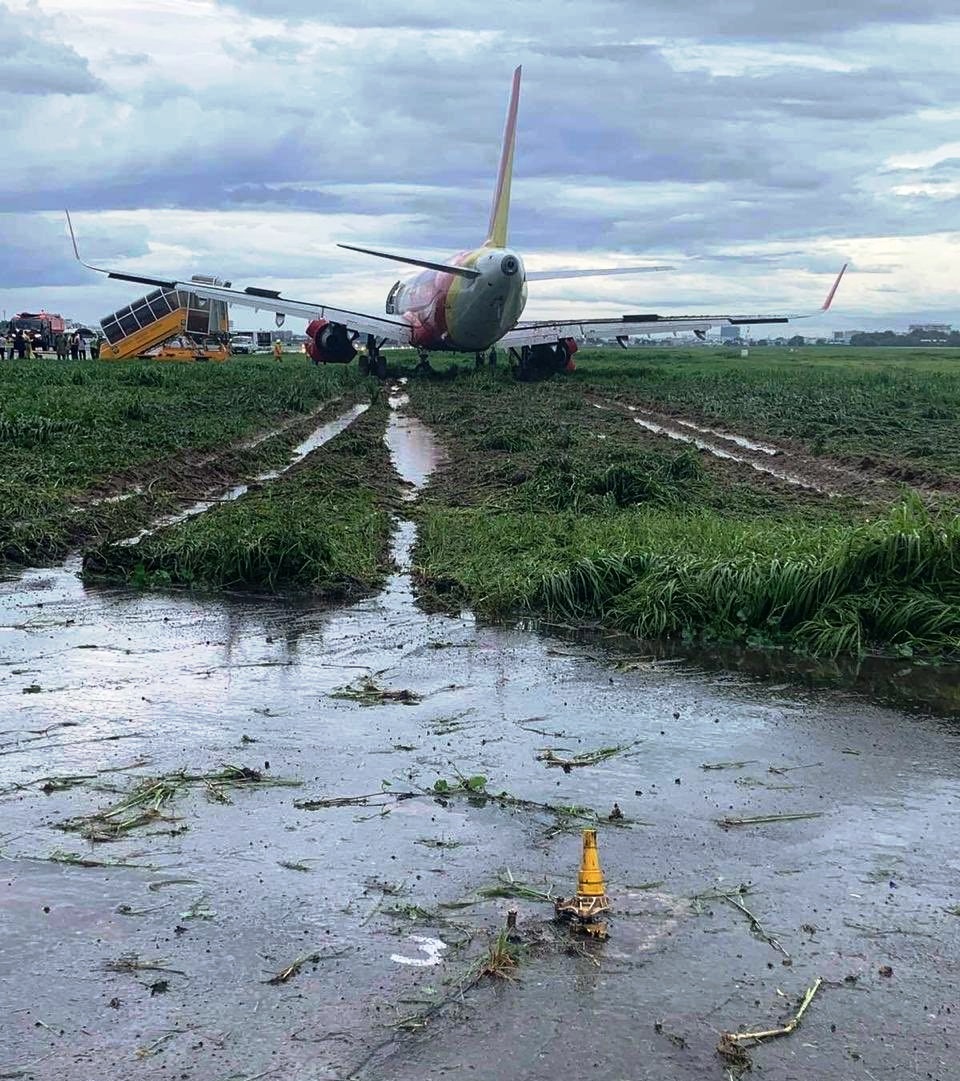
[[60, 345], [28, 346], [75, 346], [20, 344], [278, 351], [4, 345], [83, 348]]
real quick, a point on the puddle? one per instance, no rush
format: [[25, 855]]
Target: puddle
[[719, 452], [316, 439], [740, 440], [122, 498], [190, 682], [413, 447]]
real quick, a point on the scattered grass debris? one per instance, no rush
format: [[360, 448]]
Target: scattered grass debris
[[727, 765], [131, 962], [75, 859], [735, 897], [199, 910], [587, 758], [312, 958], [509, 887], [760, 820], [152, 1049], [156, 887], [368, 692], [475, 789], [731, 1045], [151, 796]]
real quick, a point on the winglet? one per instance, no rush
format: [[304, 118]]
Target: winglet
[[500, 211], [157, 282], [836, 285], [73, 237]]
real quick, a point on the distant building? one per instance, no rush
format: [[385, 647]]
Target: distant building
[[730, 334], [931, 328], [842, 337]]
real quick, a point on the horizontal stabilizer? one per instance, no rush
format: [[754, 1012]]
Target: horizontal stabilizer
[[556, 275], [445, 268]]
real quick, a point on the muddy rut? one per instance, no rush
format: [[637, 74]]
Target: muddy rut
[[767, 457]]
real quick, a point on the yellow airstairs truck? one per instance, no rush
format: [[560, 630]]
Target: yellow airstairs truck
[[169, 324]]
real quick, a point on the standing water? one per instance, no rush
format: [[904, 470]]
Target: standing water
[[153, 954]]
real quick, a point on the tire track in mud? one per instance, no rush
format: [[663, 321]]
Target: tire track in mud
[[188, 467], [799, 470], [320, 436]]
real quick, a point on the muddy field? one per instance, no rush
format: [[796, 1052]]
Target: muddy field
[[248, 834]]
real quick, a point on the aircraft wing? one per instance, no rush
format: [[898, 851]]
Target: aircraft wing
[[537, 333], [270, 300]]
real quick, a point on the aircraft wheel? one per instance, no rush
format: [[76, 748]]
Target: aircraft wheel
[[363, 364]]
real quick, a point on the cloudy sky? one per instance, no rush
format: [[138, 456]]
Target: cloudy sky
[[753, 148]]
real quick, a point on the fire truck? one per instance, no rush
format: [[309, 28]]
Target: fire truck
[[46, 324]]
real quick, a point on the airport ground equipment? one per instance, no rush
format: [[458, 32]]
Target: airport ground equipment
[[171, 324]]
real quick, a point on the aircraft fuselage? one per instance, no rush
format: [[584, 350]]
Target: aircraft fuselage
[[449, 312]]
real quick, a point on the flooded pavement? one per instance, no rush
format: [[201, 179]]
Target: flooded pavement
[[219, 898]]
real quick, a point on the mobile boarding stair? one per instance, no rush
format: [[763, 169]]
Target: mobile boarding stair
[[154, 323]]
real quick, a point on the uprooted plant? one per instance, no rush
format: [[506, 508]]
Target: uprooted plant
[[151, 797]]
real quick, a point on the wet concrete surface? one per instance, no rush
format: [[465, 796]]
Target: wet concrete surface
[[94, 679]]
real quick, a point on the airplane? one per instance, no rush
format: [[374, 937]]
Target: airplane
[[472, 303]]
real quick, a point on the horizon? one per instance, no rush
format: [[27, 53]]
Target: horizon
[[755, 151]]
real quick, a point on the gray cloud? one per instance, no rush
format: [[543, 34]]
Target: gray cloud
[[662, 129], [744, 20], [32, 62]]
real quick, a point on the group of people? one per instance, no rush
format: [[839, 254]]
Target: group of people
[[73, 344], [27, 345]]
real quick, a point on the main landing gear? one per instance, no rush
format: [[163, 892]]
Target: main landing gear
[[372, 361], [535, 362], [481, 358]]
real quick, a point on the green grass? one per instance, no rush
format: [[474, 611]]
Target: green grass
[[322, 529], [536, 514], [68, 428], [892, 583]]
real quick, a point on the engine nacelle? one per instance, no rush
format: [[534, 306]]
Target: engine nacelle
[[546, 359], [330, 343]]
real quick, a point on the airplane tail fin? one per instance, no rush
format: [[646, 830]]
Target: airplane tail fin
[[500, 211]]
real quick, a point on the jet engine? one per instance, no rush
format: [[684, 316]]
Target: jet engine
[[330, 343], [544, 360]]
